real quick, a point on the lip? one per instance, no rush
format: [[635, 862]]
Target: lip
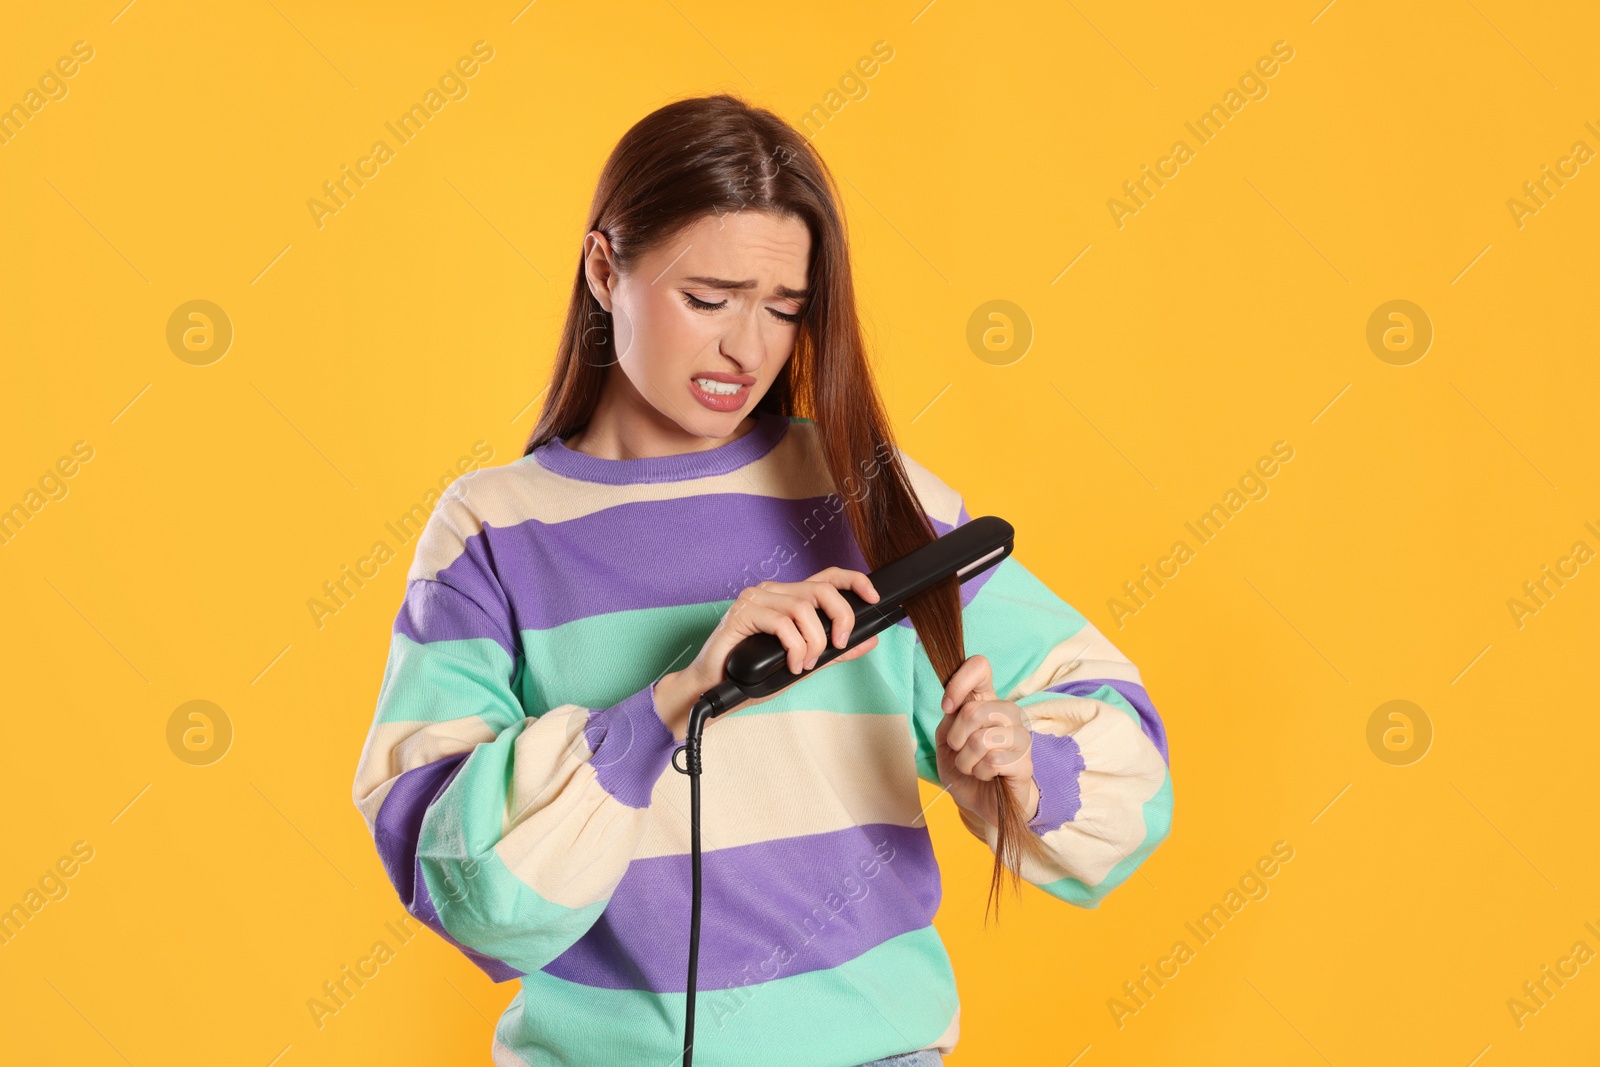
[[731, 402]]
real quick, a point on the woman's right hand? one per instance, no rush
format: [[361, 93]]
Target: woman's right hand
[[788, 611]]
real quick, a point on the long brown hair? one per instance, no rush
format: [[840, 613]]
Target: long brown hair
[[716, 154]]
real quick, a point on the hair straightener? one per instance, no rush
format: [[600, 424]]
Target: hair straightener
[[758, 667]]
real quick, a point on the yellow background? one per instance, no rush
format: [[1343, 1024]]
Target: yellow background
[[1229, 313]]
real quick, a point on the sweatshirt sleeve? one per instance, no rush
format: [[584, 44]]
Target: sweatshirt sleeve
[[506, 832], [1099, 747]]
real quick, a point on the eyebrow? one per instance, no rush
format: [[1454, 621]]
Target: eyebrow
[[723, 283]]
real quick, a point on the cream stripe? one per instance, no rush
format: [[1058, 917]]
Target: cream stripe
[[937, 499], [574, 848], [1122, 771], [396, 747], [1086, 654], [511, 1022], [788, 773], [500, 1055], [563, 834], [760, 783]]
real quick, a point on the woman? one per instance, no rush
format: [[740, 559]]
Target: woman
[[713, 461]]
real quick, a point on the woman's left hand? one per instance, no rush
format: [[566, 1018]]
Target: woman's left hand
[[983, 737]]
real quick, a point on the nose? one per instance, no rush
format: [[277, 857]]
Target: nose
[[743, 342]]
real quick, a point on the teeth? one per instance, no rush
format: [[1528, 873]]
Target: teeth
[[719, 388]]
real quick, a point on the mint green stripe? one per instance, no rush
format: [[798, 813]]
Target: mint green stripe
[[898, 996], [481, 903], [1014, 621], [439, 681], [596, 661]]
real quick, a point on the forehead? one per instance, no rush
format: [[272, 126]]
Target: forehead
[[741, 244]]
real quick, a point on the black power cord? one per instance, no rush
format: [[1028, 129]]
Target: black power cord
[[714, 701]]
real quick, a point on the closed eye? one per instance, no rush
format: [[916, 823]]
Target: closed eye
[[701, 305]]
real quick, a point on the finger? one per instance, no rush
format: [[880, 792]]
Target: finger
[[970, 681], [844, 578], [780, 625], [862, 649], [1005, 763], [974, 719], [803, 613], [976, 681], [983, 754], [803, 608], [966, 720], [967, 754], [842, 616], [825, 590], [863, 586], [1010, 746], [855, 653]]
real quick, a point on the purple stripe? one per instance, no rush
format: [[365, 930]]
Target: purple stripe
[[771, 909], [435, 611], [1057, 762], [1134, 694], [631, 746], [396, 830], [680, 551], [685, 550]]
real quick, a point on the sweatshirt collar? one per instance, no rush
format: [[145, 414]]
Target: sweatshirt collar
[[770, 428]]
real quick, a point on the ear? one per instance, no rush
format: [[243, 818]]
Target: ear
[[598, 268]]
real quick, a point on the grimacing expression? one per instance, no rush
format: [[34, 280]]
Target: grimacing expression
[[723, 296]]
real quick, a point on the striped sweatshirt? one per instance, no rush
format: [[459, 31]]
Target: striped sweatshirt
[[515, 779]]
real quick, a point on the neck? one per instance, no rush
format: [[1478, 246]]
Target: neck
[[618, 429]]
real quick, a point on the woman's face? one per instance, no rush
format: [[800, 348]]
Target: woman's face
[[718, 301]]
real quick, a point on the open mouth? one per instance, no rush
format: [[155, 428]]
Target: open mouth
[[718, 395]]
